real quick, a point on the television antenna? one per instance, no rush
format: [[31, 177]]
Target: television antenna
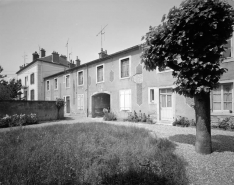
[[25, 57], [67, 47], [102, 33]]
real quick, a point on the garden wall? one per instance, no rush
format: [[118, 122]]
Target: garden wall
[[45, 110]]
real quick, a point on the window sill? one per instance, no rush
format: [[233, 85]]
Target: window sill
[[99, 82], [80, 85], [224, 113], [124, 78]]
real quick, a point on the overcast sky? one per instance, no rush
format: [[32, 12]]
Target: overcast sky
[[27, 25]]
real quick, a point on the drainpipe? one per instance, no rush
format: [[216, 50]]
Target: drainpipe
[[87, 77]]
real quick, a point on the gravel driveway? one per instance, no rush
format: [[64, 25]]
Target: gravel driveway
[[214, 169]]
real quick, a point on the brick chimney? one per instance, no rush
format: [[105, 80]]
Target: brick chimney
[[43, 52], [77, 61], [35, 56], [55, 57], [63, 56], [102, 54]]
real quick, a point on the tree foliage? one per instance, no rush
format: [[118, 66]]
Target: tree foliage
[[191, 40], [9, 90]]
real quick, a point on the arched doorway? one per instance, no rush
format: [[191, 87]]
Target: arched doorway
[[99, 102]]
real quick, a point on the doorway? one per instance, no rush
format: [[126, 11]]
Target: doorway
[[165, 98], [99, 102]]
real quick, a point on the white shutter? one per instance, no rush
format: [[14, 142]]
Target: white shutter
[[128, 100], [82, 102], [64, 78], [125, 100], [121, 100]]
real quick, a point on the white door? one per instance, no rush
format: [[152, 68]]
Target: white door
[[165, 97]]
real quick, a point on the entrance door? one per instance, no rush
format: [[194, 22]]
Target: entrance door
[[166, 112], [68, 104]]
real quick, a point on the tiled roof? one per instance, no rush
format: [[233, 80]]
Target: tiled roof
[[47, 59], [62, 61]]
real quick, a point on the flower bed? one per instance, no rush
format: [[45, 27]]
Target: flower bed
[[18, 120]]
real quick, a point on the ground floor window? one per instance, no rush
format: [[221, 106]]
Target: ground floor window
[[80, 102], [125, 100], [151, 95], [222, 97], [32, 94]]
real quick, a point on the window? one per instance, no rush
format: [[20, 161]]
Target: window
[[55, 83], [67, 81], [151, 95], [222, 97], [26, 80], [32, 94], [80, 101], [100, 73], [25, 95], [167, 69], [47, 85], [166, 97], [32, 78], [229, 50], [125, 67], [125, 100], [80, 78]]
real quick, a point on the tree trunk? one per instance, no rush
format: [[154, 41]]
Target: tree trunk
[[203, 125]]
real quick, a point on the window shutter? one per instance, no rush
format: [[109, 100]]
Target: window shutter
[[82, 102], [64, 78], [227, 53], [121, 100]]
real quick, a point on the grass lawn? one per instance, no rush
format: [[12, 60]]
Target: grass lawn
[[89, 154]]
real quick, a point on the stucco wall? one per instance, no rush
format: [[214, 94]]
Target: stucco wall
[[45, 110]]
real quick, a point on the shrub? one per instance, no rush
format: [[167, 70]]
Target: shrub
[[109, 116], [181, 121], [224, 124], [18, 120], [143, 118]]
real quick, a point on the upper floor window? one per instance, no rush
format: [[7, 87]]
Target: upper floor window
[[229, 49], [67, 81], [32, 78], [80, 77], [47, 85], [32, 95], [222, 97], [55, 83], [124, 67], [26, 80], [100, 73]]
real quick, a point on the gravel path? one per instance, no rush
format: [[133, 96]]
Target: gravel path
[[214, 169]]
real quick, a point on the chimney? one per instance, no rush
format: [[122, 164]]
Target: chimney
[[102, 54], [55, 57], [71, 65], [43, 52], [63, 56], [35, 56], [21, 67], [77, 61]]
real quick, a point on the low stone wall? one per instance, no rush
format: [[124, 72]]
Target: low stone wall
[[45, 110]]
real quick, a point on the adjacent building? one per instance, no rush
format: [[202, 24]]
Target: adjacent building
[[32, 74]]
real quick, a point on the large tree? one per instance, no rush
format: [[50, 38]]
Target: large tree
[[9, 90], [191, 40]]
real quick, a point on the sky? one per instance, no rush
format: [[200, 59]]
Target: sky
[[27, 25]]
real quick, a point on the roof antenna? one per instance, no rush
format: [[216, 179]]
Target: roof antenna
[[101, 33], [25, 57], [67, 47]]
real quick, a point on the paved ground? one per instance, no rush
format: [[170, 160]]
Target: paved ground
[[214, 169]]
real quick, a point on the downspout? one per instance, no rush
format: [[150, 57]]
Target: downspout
[[87, 75]]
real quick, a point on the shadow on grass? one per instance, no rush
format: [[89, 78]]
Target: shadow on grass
[[220, 143]]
